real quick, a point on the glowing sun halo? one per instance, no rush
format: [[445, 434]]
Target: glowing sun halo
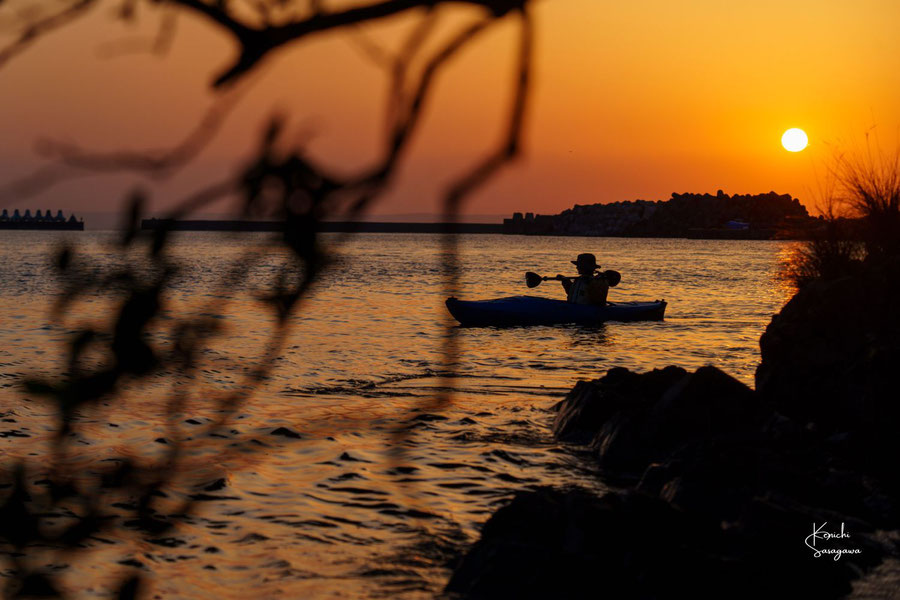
[[794, 140]]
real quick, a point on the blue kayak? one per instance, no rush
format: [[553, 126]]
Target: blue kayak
[[532, 310]]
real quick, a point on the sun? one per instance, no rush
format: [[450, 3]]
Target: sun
[[794, 140]]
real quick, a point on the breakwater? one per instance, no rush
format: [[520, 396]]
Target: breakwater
[[39, 220], [324, 226]]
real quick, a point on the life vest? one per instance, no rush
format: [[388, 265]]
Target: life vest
[[589, 291]]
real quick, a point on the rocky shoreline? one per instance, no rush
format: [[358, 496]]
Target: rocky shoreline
[[786, 490]]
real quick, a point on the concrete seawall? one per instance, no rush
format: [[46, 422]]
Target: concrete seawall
[[324, 226]]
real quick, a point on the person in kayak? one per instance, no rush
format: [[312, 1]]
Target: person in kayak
[[589, 287]]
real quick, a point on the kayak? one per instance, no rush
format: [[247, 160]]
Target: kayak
[[532, 310]]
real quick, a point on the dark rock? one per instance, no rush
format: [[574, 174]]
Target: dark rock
[[645, 417], [553, 544], [780, 429], [591, 403], [713, 477], [772, 533], [704, 404], [720, 476], [830, 358]]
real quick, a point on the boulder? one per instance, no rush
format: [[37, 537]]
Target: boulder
[[550, 543], [591, 403], [721, 475], [830, 358], [712, 477], [707, 403], [769, 556], [645, 417], [570, 544]]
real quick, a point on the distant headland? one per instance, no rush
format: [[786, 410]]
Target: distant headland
[[702, 216], [39, 221]]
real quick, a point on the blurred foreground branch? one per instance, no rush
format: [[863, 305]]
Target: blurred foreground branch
[[143, 341]]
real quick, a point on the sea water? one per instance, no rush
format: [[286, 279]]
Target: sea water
[[358, 506]]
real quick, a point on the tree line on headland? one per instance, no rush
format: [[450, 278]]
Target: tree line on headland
[[741, 216]]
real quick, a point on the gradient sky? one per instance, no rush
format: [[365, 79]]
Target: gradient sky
[[631, 100]]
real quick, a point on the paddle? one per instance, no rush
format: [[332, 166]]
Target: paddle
[[534, 280]]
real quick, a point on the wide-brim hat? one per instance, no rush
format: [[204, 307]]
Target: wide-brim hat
[[586, 259]]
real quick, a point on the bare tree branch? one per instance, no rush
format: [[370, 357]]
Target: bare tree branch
[[71, 161], [459, 191], [159, 163], [32, 31], [371, 50], [282, 184], [257, 43], [402, 62], [159, 44]]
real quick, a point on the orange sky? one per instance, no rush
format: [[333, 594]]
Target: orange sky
[[631, 100]]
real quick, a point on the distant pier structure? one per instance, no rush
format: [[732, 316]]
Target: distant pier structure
[[322, 227], [39, 220]]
